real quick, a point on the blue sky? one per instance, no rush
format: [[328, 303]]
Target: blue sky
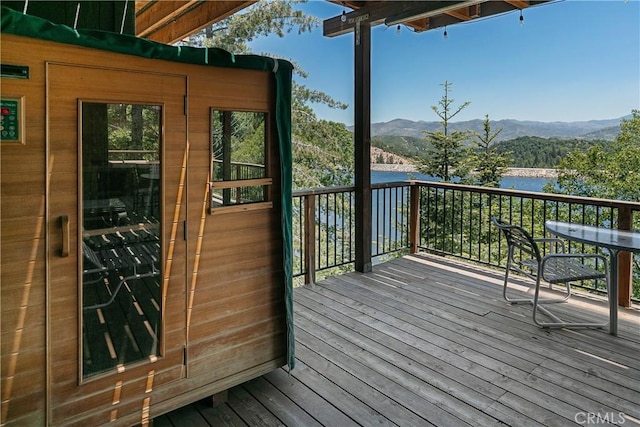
[[572, 60]]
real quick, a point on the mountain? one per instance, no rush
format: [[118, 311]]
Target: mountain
[[592, 129], [607, 134]]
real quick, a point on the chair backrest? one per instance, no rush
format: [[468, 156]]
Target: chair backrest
[[518, 238], [94, 263]]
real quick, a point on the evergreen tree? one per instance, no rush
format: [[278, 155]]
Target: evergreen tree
[[444, 157], [489, 165]]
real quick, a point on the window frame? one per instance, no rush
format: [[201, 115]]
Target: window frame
[[266, 182]]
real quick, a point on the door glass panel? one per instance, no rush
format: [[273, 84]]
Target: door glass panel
[[238, 153], [121, 242]]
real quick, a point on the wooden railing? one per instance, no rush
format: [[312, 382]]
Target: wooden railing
[[133, 156], [445, 219]]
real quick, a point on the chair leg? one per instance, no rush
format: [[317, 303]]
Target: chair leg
[[529, 300], [558, 323], [538, 306], [152, 273], [505, 289]]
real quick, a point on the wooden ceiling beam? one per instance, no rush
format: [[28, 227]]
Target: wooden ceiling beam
[[141, 4], [388, 12], [192, 19], [487, 9], [519, 4], [466, 13], [158, 13], [419, 15]]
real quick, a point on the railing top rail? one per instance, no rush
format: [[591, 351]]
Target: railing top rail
[[634, 206], [532, 194], [392, 184], [323, 190], [256, 165], [131, 151]]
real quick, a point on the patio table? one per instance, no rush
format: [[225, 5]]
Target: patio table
[[615, 241]]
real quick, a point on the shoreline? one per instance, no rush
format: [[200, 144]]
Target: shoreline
[[511, 172]]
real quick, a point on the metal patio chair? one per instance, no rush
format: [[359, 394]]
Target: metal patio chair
[[127, 258], [524, 257]]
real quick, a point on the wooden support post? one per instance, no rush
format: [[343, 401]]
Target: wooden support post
[[362, 145], [309, 239], [625, 264], [217, 399], [414, 218]]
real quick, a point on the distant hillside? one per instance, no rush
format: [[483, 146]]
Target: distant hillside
[[606, 134], [592, 129], [405, 146], [536, 152], [526, 151]]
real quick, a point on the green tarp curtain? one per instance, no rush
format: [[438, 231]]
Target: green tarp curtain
[[13, 22]]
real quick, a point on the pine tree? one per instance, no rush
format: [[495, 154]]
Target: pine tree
[[444, 158], [488, 164]]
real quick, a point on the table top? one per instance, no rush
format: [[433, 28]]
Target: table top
[[600, 236]]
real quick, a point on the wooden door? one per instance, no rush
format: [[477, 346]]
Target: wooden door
[[117, 150]]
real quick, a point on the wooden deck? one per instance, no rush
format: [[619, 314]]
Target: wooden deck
[[426, 341]]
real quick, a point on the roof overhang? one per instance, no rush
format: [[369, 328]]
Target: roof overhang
[[169, 21], [418, 15]]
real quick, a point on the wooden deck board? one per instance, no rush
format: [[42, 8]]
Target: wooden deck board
[[428, 341], [308, 399]]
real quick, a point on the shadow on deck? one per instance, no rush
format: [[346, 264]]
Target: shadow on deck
[[428, 341]]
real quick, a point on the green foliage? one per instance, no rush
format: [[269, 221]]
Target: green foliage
[[405, 146], [445, 154], [134, 127], [245, 152], [265, 18], [611, 172], [537, 152], [488, 165], [323, 151]]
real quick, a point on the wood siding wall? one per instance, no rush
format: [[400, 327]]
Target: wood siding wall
[[232, 314]]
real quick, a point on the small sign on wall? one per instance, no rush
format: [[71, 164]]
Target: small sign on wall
[[12, 120]]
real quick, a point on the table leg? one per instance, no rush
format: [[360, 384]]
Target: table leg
[[613, 292]]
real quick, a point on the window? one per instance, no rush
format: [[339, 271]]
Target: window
[[240, 176]]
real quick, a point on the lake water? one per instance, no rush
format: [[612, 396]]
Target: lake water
[[517, 183]]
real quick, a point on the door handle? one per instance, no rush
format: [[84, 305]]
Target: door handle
[[64, 221]]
